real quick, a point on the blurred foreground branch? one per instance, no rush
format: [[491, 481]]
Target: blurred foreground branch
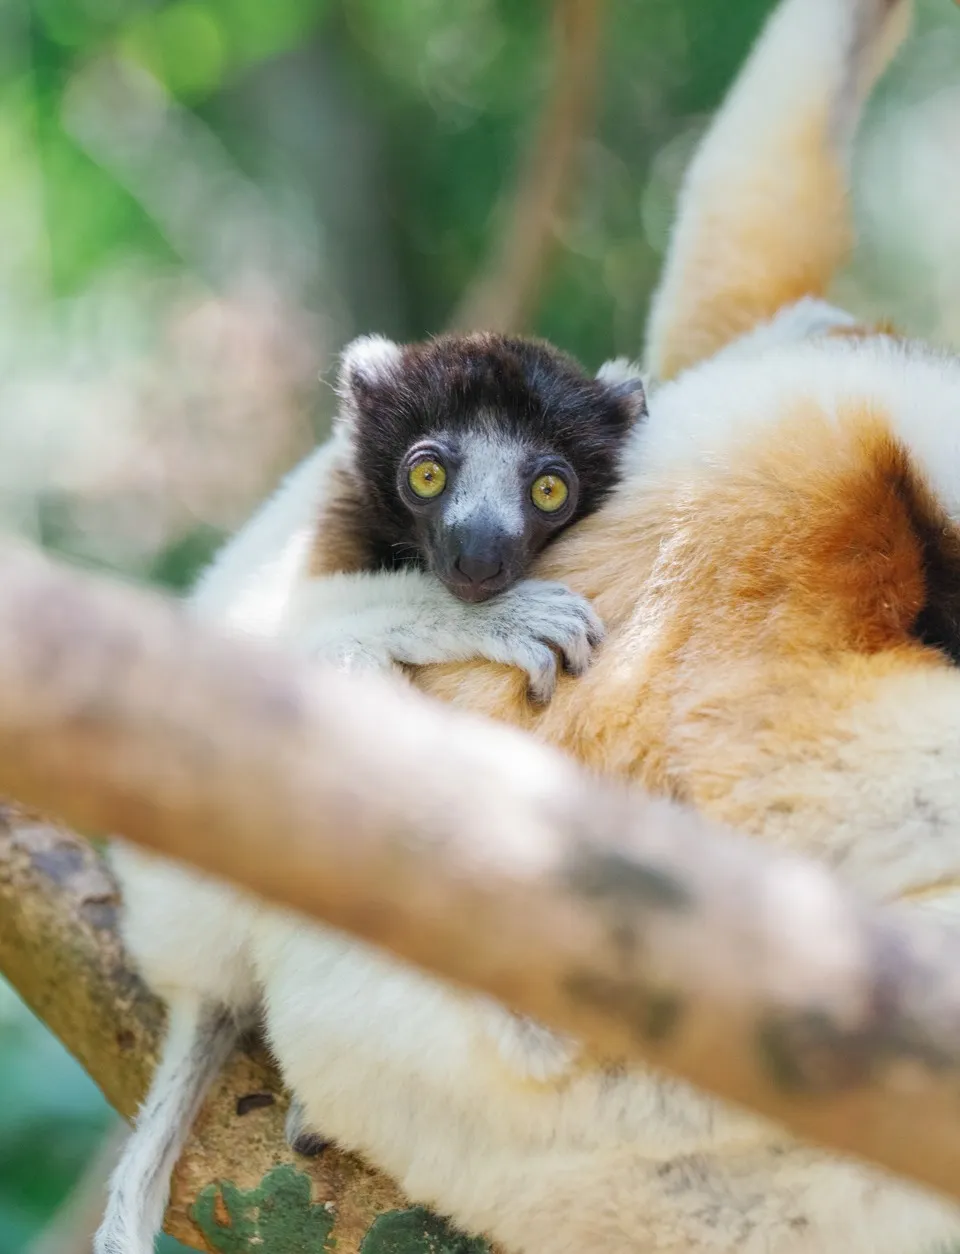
[[501, 296], [632, 924]]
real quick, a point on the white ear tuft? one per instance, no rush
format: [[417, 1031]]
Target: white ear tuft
[[625, 380], [368, 359], [619, 370]]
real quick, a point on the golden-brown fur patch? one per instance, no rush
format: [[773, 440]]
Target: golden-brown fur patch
[[764, 216], [337, 549]]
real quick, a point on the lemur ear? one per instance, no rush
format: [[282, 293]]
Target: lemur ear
[[623, 380], [365, 362]]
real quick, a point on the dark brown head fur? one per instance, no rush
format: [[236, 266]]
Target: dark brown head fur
[[497, 412]]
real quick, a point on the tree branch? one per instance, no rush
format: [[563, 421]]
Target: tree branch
[[632, 924], [60, 949], [500, 298]]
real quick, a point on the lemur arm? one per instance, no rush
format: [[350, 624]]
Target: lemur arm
[[408, 617]]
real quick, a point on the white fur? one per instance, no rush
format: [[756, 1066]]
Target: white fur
[[619, 370], [488, 483], [805, 320], [409, 617], [705, 416], [368, 359], [249, 583]]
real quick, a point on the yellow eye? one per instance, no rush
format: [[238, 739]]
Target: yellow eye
[[427, 479], [549, 493]]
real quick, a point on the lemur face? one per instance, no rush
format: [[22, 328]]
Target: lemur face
[[483, 503], [471, 453]]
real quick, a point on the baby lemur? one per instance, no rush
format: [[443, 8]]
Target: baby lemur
[[405, 539], [462, 457], [471, 452]]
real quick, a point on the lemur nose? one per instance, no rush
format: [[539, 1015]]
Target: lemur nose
[[479, 569]]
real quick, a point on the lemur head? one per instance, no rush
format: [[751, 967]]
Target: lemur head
[[472, 452]]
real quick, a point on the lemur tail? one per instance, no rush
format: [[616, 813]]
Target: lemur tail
[[764, 216], [199, 1039]]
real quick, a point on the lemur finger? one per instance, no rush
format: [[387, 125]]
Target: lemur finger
[[568, 634], [576, 633], [540, 663], [576, 652], [595, 628]]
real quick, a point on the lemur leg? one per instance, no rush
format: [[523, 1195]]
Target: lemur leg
[[200, 1037], [301, 1139], [764, 217]]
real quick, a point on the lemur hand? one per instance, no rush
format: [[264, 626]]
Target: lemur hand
[[524, 625]]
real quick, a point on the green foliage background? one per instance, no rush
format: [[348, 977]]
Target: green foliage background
[[445, 91], [384, 130]]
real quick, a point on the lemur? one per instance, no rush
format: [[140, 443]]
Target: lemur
[[462, 459], [452, 464], [778, 575]]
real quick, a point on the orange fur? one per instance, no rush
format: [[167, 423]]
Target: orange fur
[[336, 548]]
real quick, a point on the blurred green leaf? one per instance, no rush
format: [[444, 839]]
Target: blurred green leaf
[[53, 1119]]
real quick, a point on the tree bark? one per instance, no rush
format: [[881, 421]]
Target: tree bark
[[631, 924], [60, 949]]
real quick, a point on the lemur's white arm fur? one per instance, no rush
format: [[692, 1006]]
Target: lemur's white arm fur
[[250, 582], [407, 616]]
